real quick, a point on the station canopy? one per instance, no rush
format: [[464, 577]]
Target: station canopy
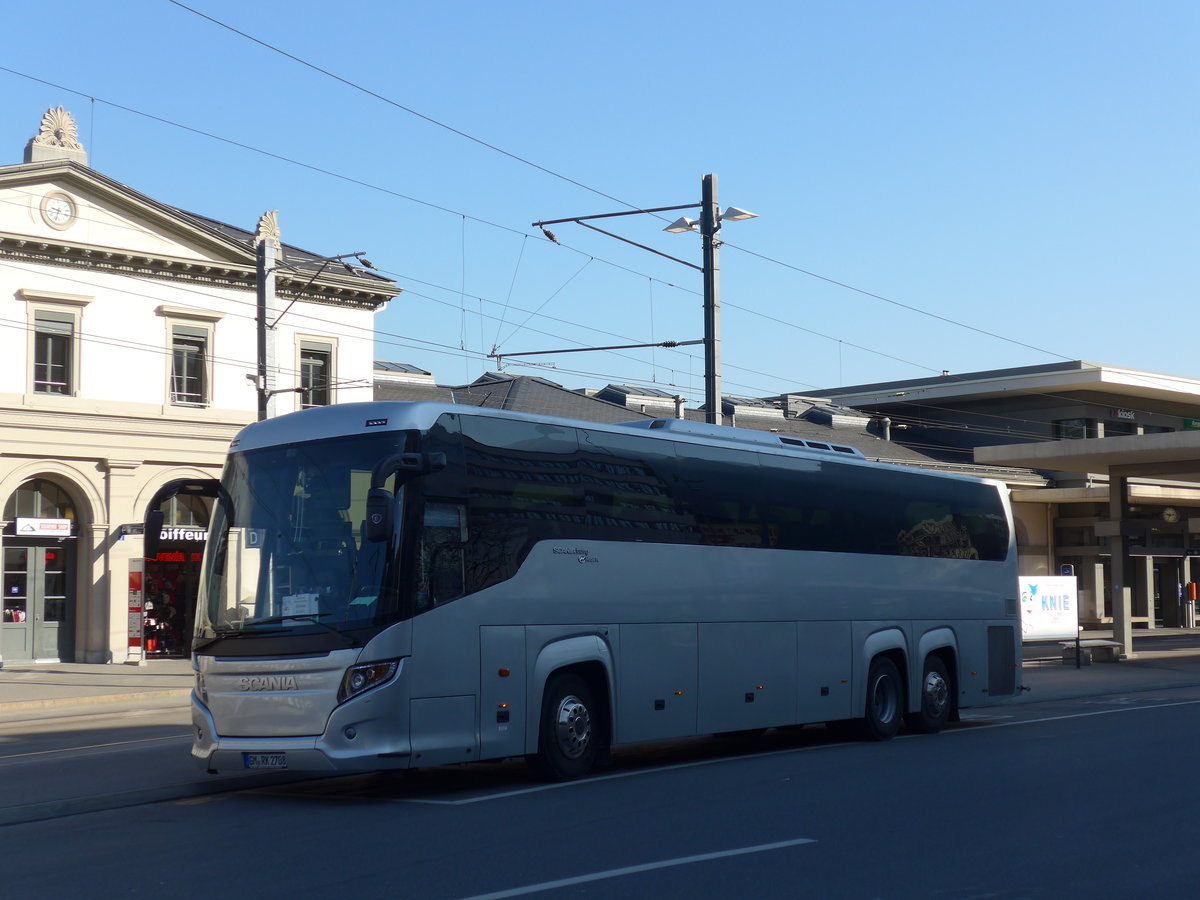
[[1173, 456]]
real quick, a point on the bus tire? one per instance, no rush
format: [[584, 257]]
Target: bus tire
[[568, 734], [885, 701], [936, 700]]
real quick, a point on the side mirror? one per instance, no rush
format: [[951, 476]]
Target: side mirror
[[378, 525], [380, 501]]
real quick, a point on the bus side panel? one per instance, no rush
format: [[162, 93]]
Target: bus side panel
[[502, 709], [989, 662], [823, 651], [442, 730], [656, 670], [747, 675]]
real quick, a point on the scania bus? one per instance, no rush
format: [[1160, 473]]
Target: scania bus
[[399, 585]]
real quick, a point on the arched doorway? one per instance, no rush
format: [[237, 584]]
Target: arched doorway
[[172, 577], [39, 574]]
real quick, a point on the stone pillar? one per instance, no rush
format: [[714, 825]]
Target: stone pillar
[[121, 487], [1147, 566], [1091, 578], [91, 545]]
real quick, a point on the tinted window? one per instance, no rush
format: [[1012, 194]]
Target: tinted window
[[630, 489], [725, 491], [523, 485], [819, 505], [524, 482]]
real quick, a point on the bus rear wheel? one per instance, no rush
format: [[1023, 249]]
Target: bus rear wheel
[[885, 700], [568, 735], [936, 701]]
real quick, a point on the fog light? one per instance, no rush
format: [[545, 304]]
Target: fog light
[[351, 733]]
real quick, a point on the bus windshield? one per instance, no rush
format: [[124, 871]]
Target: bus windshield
[[286, 552]]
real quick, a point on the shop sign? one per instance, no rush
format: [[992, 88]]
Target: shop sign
[[135, 606], [177, 556], [1049, 608], [1191, 424], [183, 534], [1125, 414], [43, 527]]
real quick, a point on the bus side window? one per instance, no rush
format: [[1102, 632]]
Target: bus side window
[[440, 564]]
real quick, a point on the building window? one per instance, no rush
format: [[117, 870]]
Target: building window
[[189, 365], [55, 322], [39, 499], [1119, 428], [53, 352], [1074, 429], [316, 374]]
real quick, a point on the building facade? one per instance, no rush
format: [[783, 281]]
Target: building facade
[[1070, 521], [129, 356]]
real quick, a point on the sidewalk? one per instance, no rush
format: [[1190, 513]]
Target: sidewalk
[[32, 690], [1163, 659]]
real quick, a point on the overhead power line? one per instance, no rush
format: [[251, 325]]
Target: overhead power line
[[401, 106], [388, 191], [391, 102]]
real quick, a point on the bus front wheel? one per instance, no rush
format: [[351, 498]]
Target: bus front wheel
[[567, 739], [885, 700]]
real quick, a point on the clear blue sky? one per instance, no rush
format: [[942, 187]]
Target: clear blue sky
[[1025, 169]]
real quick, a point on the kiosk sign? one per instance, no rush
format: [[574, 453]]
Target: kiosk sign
[[1049, 608]]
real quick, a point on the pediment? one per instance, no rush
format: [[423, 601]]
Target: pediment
[[89, 210]]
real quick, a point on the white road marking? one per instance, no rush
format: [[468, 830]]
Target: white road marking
[[636, 773], [631, 870], [113, 744], [1083, 715]]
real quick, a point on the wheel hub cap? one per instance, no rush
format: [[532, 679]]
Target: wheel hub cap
[[573, 727]]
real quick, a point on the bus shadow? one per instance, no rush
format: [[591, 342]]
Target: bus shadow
[[473, 782]]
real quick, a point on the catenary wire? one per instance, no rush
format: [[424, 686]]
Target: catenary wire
[[506, 228]]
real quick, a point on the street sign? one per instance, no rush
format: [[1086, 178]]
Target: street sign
[[1049, 608]]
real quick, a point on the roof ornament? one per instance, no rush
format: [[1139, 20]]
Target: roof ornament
[[57, 138], [268, 229], [59, 130]]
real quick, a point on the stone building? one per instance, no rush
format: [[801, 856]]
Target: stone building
[[129, 357]]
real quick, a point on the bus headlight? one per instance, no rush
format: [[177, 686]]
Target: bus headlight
[[366, 676]]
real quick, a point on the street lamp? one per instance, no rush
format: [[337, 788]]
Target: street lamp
[[708, 225]]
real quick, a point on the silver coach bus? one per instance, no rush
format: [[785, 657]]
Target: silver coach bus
[[395, 585]]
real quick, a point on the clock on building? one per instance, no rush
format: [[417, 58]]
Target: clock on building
[[1170, 514], [58, 209]]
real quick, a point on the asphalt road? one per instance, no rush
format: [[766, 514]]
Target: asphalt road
[[1079, 798]]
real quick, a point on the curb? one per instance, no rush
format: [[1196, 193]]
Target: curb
[[94, 700]]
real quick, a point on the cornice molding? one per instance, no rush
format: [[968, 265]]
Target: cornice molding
[[111, 260], [54, 297]]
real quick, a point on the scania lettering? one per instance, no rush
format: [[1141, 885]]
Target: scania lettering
[[396, 585]]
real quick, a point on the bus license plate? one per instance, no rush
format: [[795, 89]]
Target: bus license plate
[[265, 760]]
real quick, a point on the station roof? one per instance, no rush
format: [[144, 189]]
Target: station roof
[[1173, 455]]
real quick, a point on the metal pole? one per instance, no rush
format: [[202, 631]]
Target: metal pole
[[265, 302], [710, 225], [260, 320]]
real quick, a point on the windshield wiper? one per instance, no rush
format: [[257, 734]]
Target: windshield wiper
[[276, 620]]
